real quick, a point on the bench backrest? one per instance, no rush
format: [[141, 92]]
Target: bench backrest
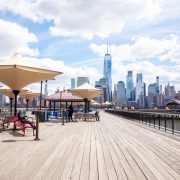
[[7, 119]]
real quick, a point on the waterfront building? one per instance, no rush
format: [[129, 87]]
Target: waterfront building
[[177, 95], [121, 93], [73, 83], [139, 87], [157, 85], [152, 98], [142, 102], [129, 86], [103, 85], [82, 80], [2, 100], [97, 84], [170, 92], [115, 94], [144, 89], [107, 75]]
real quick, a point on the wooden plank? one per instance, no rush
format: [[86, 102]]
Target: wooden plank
[[113, 148], [101, 165], [62, 164], [108, 159], [75, 173], [152, 162], [93, 172], [71, 159], [85, 166]]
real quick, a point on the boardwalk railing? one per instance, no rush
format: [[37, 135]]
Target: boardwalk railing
[[164, 121]]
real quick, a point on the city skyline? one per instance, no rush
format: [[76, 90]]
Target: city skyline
[[143, 36]]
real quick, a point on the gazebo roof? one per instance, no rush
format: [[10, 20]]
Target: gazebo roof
[[63, 96], [173, 102]]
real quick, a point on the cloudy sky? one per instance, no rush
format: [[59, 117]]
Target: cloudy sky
[[71, 36]]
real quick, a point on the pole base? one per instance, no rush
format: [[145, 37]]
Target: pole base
[[36, 139]]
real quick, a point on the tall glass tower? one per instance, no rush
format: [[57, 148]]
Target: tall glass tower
[[139, 86], [129, 85], [107, 75], [121, 93]]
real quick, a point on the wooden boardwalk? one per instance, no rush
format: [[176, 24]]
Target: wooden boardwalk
[[111, 149]]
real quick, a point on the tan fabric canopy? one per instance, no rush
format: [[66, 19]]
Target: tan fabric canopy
[[106, 103], [16, 74], [28, 95], [7, 91], [86, 91]]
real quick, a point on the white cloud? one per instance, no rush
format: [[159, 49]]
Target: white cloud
[[85, 19], [90, 18], [145, 55], [15, 38], [142, 48]]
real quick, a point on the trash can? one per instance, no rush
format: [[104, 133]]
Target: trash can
[[1, 127], [41, 115]]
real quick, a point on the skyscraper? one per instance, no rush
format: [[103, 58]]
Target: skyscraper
[[2, 100], [129, 85], [107, 75], [82, 80], [73, 83], [139, 86], [114, 98], [157, 85], [121, 93], [103, 85], [152, 98]]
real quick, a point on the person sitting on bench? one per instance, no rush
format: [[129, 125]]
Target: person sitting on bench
[[23, 120], [97, 115]]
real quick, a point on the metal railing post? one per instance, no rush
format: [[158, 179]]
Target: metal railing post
[[172, 124]]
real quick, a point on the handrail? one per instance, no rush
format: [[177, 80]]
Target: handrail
[[167, 121]]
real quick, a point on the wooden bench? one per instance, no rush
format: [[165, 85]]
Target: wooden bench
[[6, 120], [22, 125], [85, 116]]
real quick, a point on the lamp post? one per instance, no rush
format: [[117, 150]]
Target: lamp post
[[40, 96], [38, 114], [61, 109]]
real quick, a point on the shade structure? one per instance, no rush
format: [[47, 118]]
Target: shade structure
[[107, 103], [17, 74], [86, 92], [94, 103], [173, 103], [8, 92], [28, 95]]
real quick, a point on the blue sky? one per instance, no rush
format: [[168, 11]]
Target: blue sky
[[71, 36]]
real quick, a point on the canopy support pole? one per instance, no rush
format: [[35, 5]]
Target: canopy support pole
[[40, 96], [16, 92], [11, 104], [27, 104]]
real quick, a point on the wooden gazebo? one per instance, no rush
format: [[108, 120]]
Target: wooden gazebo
[[61, 97], [173, 103]]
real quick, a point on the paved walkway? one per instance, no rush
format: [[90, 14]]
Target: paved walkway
[[110, 149]]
